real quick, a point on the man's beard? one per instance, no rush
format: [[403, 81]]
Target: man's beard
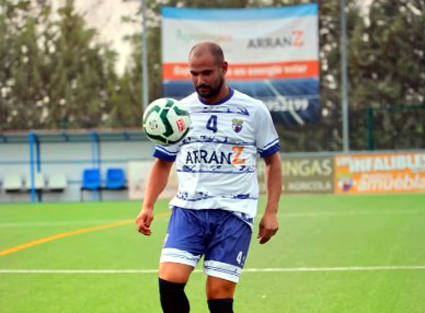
[[212, 91]]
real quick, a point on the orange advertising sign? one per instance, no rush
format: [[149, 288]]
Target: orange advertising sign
[[383, 173], [239, 72]]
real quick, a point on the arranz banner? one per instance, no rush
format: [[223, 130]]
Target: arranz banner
[[273, 55]]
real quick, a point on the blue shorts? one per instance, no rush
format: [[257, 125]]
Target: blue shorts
[[220, 236]]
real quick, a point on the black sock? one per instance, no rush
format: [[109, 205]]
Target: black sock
[[221, 305], [173, 298]]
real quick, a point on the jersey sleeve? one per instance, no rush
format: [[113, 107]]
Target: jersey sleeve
[[166, 153], [267, 140]]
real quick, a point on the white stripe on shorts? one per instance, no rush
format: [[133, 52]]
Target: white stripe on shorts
[[172, 255], [222, 270]]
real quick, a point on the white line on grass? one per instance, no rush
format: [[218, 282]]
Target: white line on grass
[[58, 223], [247, 270], [285, 215], [351, 212], [337, 269]]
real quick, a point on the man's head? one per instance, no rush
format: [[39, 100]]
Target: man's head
[[208, 69]]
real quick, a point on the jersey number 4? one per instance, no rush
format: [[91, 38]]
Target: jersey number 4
[[212, 123]]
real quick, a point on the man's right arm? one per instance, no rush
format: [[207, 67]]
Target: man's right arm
[[157, 181]]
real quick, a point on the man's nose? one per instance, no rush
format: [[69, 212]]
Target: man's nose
[[201, 79]]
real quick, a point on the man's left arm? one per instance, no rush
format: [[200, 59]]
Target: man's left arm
[[269, 224]]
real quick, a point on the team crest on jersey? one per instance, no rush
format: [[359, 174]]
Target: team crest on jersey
[[237, 125]]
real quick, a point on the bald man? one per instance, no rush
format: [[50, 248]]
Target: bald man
[[214, 209]]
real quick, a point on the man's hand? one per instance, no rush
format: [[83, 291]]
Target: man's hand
[[269, 226], [144, 220]]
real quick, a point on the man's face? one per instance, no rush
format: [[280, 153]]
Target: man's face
[[207, 76]]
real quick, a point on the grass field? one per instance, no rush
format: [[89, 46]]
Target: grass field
[[351, 254]]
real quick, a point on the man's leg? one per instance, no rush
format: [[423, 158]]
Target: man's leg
[[172, 280], [181, 253], [220, 295], [225, 257]]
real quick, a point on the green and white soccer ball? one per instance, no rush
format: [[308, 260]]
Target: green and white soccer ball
[[165, 122]]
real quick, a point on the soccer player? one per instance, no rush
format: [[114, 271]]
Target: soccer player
[[214, 209]]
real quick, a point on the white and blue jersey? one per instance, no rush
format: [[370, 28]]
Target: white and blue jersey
[[216, 162], [216, 202]]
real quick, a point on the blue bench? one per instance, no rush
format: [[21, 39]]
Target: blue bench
[[92, 181], [115, 179]]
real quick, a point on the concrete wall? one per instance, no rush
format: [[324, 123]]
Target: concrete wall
[[303, 173], [69, 159]]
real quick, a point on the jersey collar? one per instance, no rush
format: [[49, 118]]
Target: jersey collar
[[231, 92]]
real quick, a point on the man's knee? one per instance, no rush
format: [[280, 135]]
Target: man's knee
[[175, 272], [220, 294], [173, 298], [220, 289]]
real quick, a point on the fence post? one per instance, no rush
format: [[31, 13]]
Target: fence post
[[32, 140], [95, 149], [371, 128]]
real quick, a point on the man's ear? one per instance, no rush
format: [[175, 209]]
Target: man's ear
[[224, 67]]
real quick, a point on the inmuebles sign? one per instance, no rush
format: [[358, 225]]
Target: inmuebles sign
[[385, 173]]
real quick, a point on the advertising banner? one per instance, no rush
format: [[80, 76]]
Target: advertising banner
[[273, 54], [308, 175], [384, 173]]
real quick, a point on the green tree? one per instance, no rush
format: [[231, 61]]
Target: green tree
[[79, 87], [54, 73], [388, 75], [127, 104], [17, 66], [326, 135]]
